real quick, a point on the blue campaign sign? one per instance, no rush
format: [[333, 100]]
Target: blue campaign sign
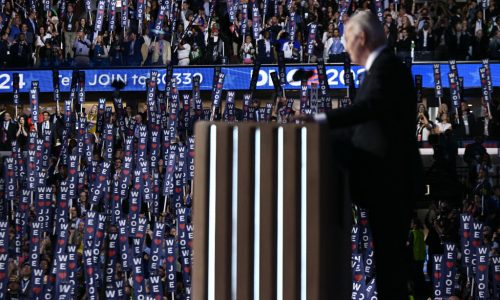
[[237, 77]]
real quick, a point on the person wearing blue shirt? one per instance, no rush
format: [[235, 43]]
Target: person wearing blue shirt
[[334, 48], [15, 28], [81, 48]]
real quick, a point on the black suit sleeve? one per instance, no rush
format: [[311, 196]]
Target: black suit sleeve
[[370, 103], [383, 96]]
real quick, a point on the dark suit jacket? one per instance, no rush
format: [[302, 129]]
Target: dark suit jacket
[[40, 130], [214, 50], [264, 57], [136, 58], [20, 55], [376, 143], [420, 42], [32, 27], [458, 47], [375, 149], [459, 128], [10, 134]]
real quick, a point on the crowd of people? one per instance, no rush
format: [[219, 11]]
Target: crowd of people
[[462, 124], [73, 161], [477, 199], [95, 184], [60, 132], [67, 33], [444, 224]]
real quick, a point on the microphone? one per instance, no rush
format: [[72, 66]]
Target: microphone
[[301, 74], [118, 85]]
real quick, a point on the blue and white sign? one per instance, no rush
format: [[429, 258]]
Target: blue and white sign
[[237, 77]]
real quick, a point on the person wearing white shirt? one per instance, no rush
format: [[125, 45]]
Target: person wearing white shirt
[[327, 34], [161, 51], [41, 37], [44, 125], [247, 50], [334, 48], [183, 53], [424, 128], [443, 125], [402, 14]]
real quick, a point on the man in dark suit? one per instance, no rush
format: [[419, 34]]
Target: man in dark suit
[[45, 125], [133, 56], [265, 49], [374, 144], [20, 52], [215, 47], [466, 127], [32, 22], [425, 42], [7, 132]]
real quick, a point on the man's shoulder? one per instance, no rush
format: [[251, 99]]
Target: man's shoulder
[[387, 61]]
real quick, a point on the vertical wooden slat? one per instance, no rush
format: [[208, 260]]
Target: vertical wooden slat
[[268, 213], [200, 212], [245, 213], [314, 160], [223, 215], [291, 217]]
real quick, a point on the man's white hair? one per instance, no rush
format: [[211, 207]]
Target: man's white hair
[[365, 21]]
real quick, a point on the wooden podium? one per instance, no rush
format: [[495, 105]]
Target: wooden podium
[[269, 218]]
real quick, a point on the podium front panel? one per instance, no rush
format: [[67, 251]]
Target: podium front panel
[[261, 213]]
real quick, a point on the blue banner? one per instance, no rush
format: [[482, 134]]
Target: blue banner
[[237, 77]]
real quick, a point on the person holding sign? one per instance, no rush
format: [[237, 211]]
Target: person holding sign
[[380, 161]]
